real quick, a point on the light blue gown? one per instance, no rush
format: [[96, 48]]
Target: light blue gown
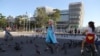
[[50, 37]]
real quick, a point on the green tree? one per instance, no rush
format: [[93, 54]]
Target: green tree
[[3, 21], [55, 16], [19, 21], [32, 24], [41, 17]]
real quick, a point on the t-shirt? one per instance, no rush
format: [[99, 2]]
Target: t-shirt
[[89, 30]]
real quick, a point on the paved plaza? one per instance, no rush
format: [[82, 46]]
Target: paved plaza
[[35, 46]]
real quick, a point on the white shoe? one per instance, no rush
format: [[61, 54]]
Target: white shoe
[[82, 51], [96, 50]]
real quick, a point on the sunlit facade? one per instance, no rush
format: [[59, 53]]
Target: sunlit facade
[[62, 23], [76, 15], [71, 18]]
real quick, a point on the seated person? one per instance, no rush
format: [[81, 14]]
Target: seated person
[[90, 36]]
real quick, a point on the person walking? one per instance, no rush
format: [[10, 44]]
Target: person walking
[[7, 33], [51, 40]]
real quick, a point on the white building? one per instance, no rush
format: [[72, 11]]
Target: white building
[[76, 14], [48, 10], [62, 23], [98, 29], [64, 15], [10, 19], [32, 19], [71, 18]]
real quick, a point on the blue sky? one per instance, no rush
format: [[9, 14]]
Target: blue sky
[[19, 7]]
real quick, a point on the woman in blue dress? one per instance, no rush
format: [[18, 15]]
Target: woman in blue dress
[[51, 38]]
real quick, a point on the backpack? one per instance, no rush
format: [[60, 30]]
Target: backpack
[[90, 38]]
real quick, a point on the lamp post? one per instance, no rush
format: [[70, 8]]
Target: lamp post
[[29, 21], [29, 24], [24, 25], [35, 25]]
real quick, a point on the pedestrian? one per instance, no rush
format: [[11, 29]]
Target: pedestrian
[[7, 33], [51, 38], [90, 36], [75, 31], [78, 31]]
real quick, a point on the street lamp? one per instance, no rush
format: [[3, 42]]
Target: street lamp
[[24, 24], [29, 19], [29, 24], [35, 25]]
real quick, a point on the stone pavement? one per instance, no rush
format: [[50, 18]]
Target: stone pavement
[[35, 46]]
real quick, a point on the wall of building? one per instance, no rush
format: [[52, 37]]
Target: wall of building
[[76, 15], [62, 23], [73, 17], [64, 16]]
